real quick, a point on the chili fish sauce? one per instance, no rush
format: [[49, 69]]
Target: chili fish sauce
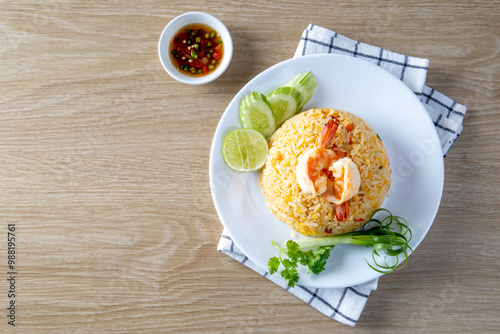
[[197, 49]]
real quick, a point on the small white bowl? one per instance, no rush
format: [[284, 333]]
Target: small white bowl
[[173, 28]]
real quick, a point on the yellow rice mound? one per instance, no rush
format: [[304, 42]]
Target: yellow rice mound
[[314, 215]]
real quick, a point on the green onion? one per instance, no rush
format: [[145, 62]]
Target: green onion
[[388, 237], [219, 41], [194, 54], [212, 34]]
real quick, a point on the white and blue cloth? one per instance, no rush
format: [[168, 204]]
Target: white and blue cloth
[[446, 113], [345, 305]]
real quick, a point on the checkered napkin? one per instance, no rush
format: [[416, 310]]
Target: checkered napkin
[[345, 305], [446, 113]]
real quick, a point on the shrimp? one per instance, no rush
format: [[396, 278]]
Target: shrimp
[[312, 167], [325, 172], [346, 181]]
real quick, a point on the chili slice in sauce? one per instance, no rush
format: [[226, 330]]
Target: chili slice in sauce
[[197, 49]]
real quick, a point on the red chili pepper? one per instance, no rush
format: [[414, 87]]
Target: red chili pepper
[[328, 230], [342, 211], [216, 54], [204, 69]]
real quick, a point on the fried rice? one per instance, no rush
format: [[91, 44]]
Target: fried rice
[[314, 215]]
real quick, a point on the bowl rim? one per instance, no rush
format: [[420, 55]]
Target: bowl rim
[[173, 27]]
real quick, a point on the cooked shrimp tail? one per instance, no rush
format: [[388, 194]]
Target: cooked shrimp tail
[[342, 211], [327, 133]]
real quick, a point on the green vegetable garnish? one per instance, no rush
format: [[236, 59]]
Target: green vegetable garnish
[[256, 114], [305, 83], [314, 260], [285, 102], [390, 235]]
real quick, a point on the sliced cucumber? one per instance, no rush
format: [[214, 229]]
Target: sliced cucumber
[[285, 102], [256, 114], [305, 84]]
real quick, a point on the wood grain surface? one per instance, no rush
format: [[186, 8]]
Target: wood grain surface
[[104, 169]]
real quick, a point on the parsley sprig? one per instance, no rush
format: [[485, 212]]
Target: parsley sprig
[[389, 237], [315, 260]]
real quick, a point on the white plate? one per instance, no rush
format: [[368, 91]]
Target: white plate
[[393, 111]]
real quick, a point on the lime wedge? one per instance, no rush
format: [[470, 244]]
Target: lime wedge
[[245, 150]]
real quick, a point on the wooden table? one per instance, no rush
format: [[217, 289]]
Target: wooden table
[[104, 169]]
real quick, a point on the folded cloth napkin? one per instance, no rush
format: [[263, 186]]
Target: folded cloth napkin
[[446, 113], [345, 305]]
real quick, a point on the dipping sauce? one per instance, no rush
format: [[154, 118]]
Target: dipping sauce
[[196, 49]]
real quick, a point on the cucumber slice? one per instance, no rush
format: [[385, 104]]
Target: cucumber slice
[[305, 84], [285, 102], [256, 114]]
